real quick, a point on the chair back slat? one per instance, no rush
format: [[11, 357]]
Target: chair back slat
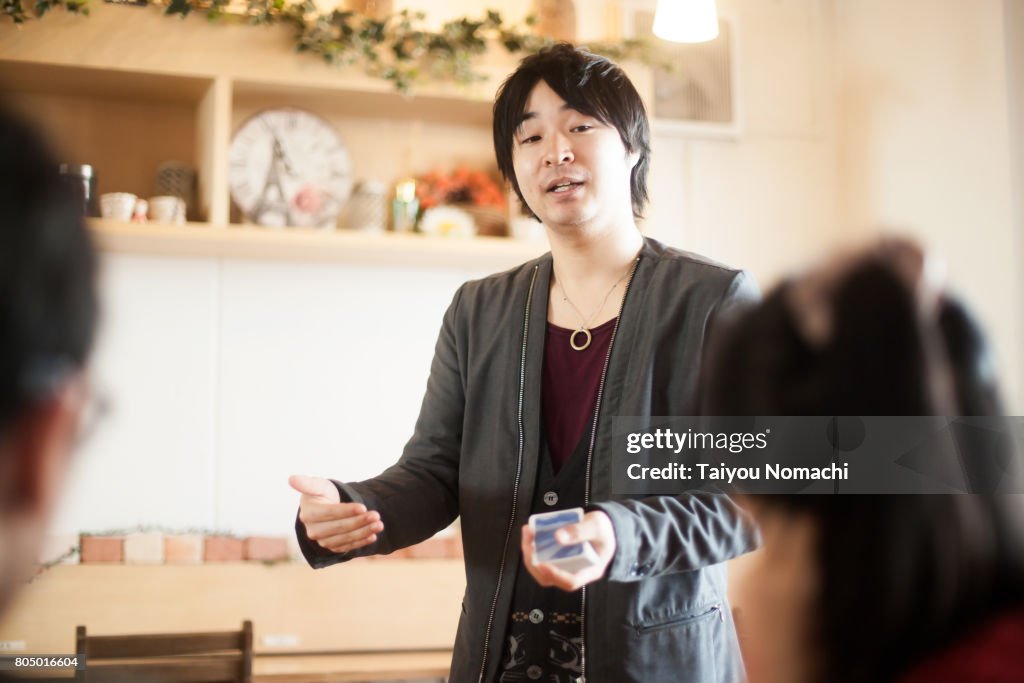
[[209, 657], [157, 645]]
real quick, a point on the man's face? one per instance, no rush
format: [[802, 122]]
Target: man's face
[[572, 169]]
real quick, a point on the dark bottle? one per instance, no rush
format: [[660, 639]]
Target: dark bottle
[[81, 181]]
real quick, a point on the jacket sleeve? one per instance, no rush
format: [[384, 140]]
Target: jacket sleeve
[[665, 534], [418, 495]]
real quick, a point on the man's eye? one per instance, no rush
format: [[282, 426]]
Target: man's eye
[[532, 138], [582, 128]]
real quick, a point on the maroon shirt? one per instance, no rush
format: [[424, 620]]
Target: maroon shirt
[[571, 379]]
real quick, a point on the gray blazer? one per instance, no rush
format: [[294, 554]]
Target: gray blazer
[[660, 613]]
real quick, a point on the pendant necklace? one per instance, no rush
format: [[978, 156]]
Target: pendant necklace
[[584, 327]]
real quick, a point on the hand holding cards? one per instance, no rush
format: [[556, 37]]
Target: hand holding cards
[[546, 548]]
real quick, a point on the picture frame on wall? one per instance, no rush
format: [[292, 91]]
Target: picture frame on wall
[[700, 95]]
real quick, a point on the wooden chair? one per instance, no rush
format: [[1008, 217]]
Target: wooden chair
[[222, 657]]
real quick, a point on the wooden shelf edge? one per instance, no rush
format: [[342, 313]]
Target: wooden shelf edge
[[301, 244]]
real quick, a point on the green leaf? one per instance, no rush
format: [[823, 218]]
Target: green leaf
[[394, 48], [182, 7]]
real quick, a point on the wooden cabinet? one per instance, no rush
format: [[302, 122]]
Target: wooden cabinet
[[293, 608], [127, 88]]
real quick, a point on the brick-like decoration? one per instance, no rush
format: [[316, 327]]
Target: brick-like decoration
[[294, 551], [183, 549], [144, 548], [266, 549], [155, 548], [223, 549], [55, 546], [102, 549]]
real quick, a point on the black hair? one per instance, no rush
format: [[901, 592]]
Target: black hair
[[590, 84], [850, 375], [48, 299], [901, 575]]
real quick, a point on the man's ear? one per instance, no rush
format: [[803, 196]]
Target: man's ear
[[41, 441]]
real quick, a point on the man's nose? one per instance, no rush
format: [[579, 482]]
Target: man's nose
[[559, 152]]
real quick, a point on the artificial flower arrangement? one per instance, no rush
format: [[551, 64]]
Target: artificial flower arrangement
[[461, 203]]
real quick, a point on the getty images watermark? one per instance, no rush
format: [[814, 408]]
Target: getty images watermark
[[820, 455]]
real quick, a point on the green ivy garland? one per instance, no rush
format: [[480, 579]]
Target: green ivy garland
[[396, 48], [17, 12]]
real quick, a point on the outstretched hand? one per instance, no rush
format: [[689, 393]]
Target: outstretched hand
[[333, 525], [595, 527]]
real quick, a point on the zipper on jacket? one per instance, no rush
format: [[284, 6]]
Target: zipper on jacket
[[590, 454], [715, 609], [519, 470]]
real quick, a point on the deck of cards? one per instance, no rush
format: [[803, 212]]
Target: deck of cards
[[570, 558]]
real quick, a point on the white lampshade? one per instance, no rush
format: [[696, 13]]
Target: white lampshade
[[686, 21]]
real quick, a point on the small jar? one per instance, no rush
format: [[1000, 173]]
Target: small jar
[[368, 207], [81, 181], [405, 207]]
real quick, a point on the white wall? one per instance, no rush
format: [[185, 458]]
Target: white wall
[[924, 146], [1013, 24], [765, 201], [228, 376]]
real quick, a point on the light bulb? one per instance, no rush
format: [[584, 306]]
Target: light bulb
[[686, 21]]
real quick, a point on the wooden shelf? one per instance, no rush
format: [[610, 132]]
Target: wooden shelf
[[355, 100], [120, 39], [128, 89], [110, 84], [302, 244]]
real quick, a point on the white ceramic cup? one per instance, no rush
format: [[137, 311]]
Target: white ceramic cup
[[167, 209], [117, 206]]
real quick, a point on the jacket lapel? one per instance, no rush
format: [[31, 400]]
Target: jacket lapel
[[619, 367]]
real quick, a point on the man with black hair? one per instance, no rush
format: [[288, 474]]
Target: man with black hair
[[529, 369], [48, 311]]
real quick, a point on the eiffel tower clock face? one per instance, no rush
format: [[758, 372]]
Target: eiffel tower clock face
[[289, 168]]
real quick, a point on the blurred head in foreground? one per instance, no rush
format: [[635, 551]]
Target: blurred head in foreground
[[48, 310], [871, 588]]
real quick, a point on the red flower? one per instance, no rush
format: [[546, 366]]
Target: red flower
[[461, 186]]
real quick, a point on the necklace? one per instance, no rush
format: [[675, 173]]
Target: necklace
[[584, 327]]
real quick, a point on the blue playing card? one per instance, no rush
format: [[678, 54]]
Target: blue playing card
[[547, 549], [544, 528]]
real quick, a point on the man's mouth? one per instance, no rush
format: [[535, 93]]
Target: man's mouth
[[563, 185]]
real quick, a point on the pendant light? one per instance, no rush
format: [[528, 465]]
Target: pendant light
[[686, 21]]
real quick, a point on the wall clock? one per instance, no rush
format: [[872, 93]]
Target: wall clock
[[288, 167]]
